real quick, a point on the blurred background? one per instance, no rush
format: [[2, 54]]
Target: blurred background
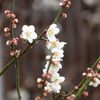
[[81, 31]]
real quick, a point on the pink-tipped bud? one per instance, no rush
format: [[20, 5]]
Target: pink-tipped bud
[[72, 95], [12, 53], [6, 29], [44, 75], [88, 69], [15, 20], [65, 1], [39, 80], [17, 52], [75, 87], [14, 41], [40, 85], [17, 39], [84, 74], [98, 66], [14, 25], [67, 6], [8, 15], [69, 3], [89, 75], [7, 34], [64, 15], [61, 4], [85, 93], [48, 57], [38, 98], [7, 11], [45, 93], [95, 79], [98, 75], [9, 43], [13, 15]]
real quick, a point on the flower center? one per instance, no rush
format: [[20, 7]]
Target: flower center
[[28, 33]]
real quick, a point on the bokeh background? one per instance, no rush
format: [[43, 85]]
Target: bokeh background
[[81, 31]]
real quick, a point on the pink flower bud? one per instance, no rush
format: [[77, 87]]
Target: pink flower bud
[[44, 75], [7, 34], [88, 69], [8, 15], [40, 85], [75, 87], [69, 3], [13, 15], [17, 52], [7, 11], [64, 15], [98, 75], [89, 75], [6, 29], [38, 98], [85, 93], [98, 66], [65, 1], [67, 6], [12, 53], [48, 57], [15, 20], [45, 93], [9, 43], [14, 25], [84, 74], [61, 4], [39, 80]]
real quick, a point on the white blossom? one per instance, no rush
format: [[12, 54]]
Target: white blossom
[[55, 44], [94, 83], [54, 67], [51, 32], [29, 33], [52, 87], [56, 78]]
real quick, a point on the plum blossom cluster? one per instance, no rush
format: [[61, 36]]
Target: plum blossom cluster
[[53, 63]]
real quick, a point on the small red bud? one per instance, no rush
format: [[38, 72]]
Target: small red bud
[[85, 93], [61, 4], [64, 15], [14, 25], [89, 75], [7, 11]]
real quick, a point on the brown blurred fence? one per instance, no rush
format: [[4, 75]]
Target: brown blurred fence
[[81, 31]]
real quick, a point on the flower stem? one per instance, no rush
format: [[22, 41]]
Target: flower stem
[[10, 21], [59, 14], [18, 79]]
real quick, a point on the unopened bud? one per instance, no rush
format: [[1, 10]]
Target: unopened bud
[[14, 25], [15, 20], [64, 15], [9, 43], [85, 93], [7, 34], [6, 29], [48, 57], [89, 75], [7, 11], [84, 74], [12, 53], [61, 4]]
